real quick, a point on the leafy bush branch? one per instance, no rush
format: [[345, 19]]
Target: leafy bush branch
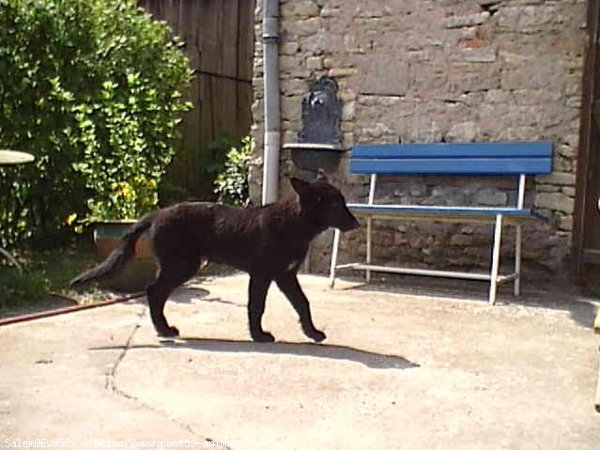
[[92, 88], [231, 183]]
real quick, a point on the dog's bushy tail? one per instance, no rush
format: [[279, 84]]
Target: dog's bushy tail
[[115, 262]]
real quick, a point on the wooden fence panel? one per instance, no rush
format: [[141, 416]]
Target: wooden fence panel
[[219, 39]]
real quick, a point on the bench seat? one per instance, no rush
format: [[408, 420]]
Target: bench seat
[[477, 214], [472, 159]]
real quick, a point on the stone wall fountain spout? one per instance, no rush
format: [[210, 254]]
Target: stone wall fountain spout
[[319, 141]]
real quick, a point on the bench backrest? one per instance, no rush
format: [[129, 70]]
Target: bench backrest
[[485, 158]]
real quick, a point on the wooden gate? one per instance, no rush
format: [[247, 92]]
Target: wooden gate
[[586, 232], [219, 38]]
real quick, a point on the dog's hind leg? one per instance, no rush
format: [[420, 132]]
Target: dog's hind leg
[[288, 283], [169, 278], [257, 295]]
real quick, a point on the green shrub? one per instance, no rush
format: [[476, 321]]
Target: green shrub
[[93, 89], [19, 290], [44, 272], [231, 184]]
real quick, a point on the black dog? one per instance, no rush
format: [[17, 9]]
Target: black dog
[[269, 242]]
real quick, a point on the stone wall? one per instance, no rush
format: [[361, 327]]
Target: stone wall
[[426, 71]]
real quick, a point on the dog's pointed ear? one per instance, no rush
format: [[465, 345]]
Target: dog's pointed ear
[[321, 176], [300, 186]]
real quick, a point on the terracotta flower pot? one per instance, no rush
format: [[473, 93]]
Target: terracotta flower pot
[[140, 271]]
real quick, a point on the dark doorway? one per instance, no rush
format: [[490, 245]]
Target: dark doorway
[[586, 232]]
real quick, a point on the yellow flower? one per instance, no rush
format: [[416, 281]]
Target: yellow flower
[[70, 219], [124, 190]]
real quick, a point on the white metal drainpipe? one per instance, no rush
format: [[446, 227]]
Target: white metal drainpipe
[[271, 101]]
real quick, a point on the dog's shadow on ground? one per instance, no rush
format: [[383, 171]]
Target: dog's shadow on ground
[[326, 351], [192, 293]]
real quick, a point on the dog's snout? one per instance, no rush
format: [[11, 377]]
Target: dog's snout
[[354, 225], [350, 223]]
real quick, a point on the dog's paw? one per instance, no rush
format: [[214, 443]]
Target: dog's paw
[[169, 332], [262, 337], [316, 335]]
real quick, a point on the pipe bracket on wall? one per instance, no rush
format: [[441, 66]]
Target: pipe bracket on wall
[[271, 29]]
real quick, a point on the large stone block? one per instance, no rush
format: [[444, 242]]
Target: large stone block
[[559, 178], [427, 79], [299, 8], [314, 63], [317, 44], [469, 20], [290, 63], [557, 201], [287, 48], [480, 55], [528, 18], [294, 86], [384, 74], [372, 9], [537, 63], [463, 132], [537, 97], [301, 28], [470, 77], [491, 197], [291, 108]]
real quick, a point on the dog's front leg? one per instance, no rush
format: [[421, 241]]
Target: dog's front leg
[[257, 295], [288, 283]]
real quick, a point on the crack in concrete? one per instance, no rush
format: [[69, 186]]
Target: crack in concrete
[[111, 374], [110, 385]]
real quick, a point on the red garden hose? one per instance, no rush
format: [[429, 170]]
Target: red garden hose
[[68, 309]]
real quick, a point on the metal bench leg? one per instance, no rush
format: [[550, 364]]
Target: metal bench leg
[[12, 260], [369, 245], [597, 400], [334, 255], [495, 259], [518, 246]]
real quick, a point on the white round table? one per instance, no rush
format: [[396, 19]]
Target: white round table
[[9, 157]]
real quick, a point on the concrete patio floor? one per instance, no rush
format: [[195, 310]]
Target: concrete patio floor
[[402, 368]]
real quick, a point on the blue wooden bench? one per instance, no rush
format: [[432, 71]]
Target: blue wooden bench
[[517, 159]]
